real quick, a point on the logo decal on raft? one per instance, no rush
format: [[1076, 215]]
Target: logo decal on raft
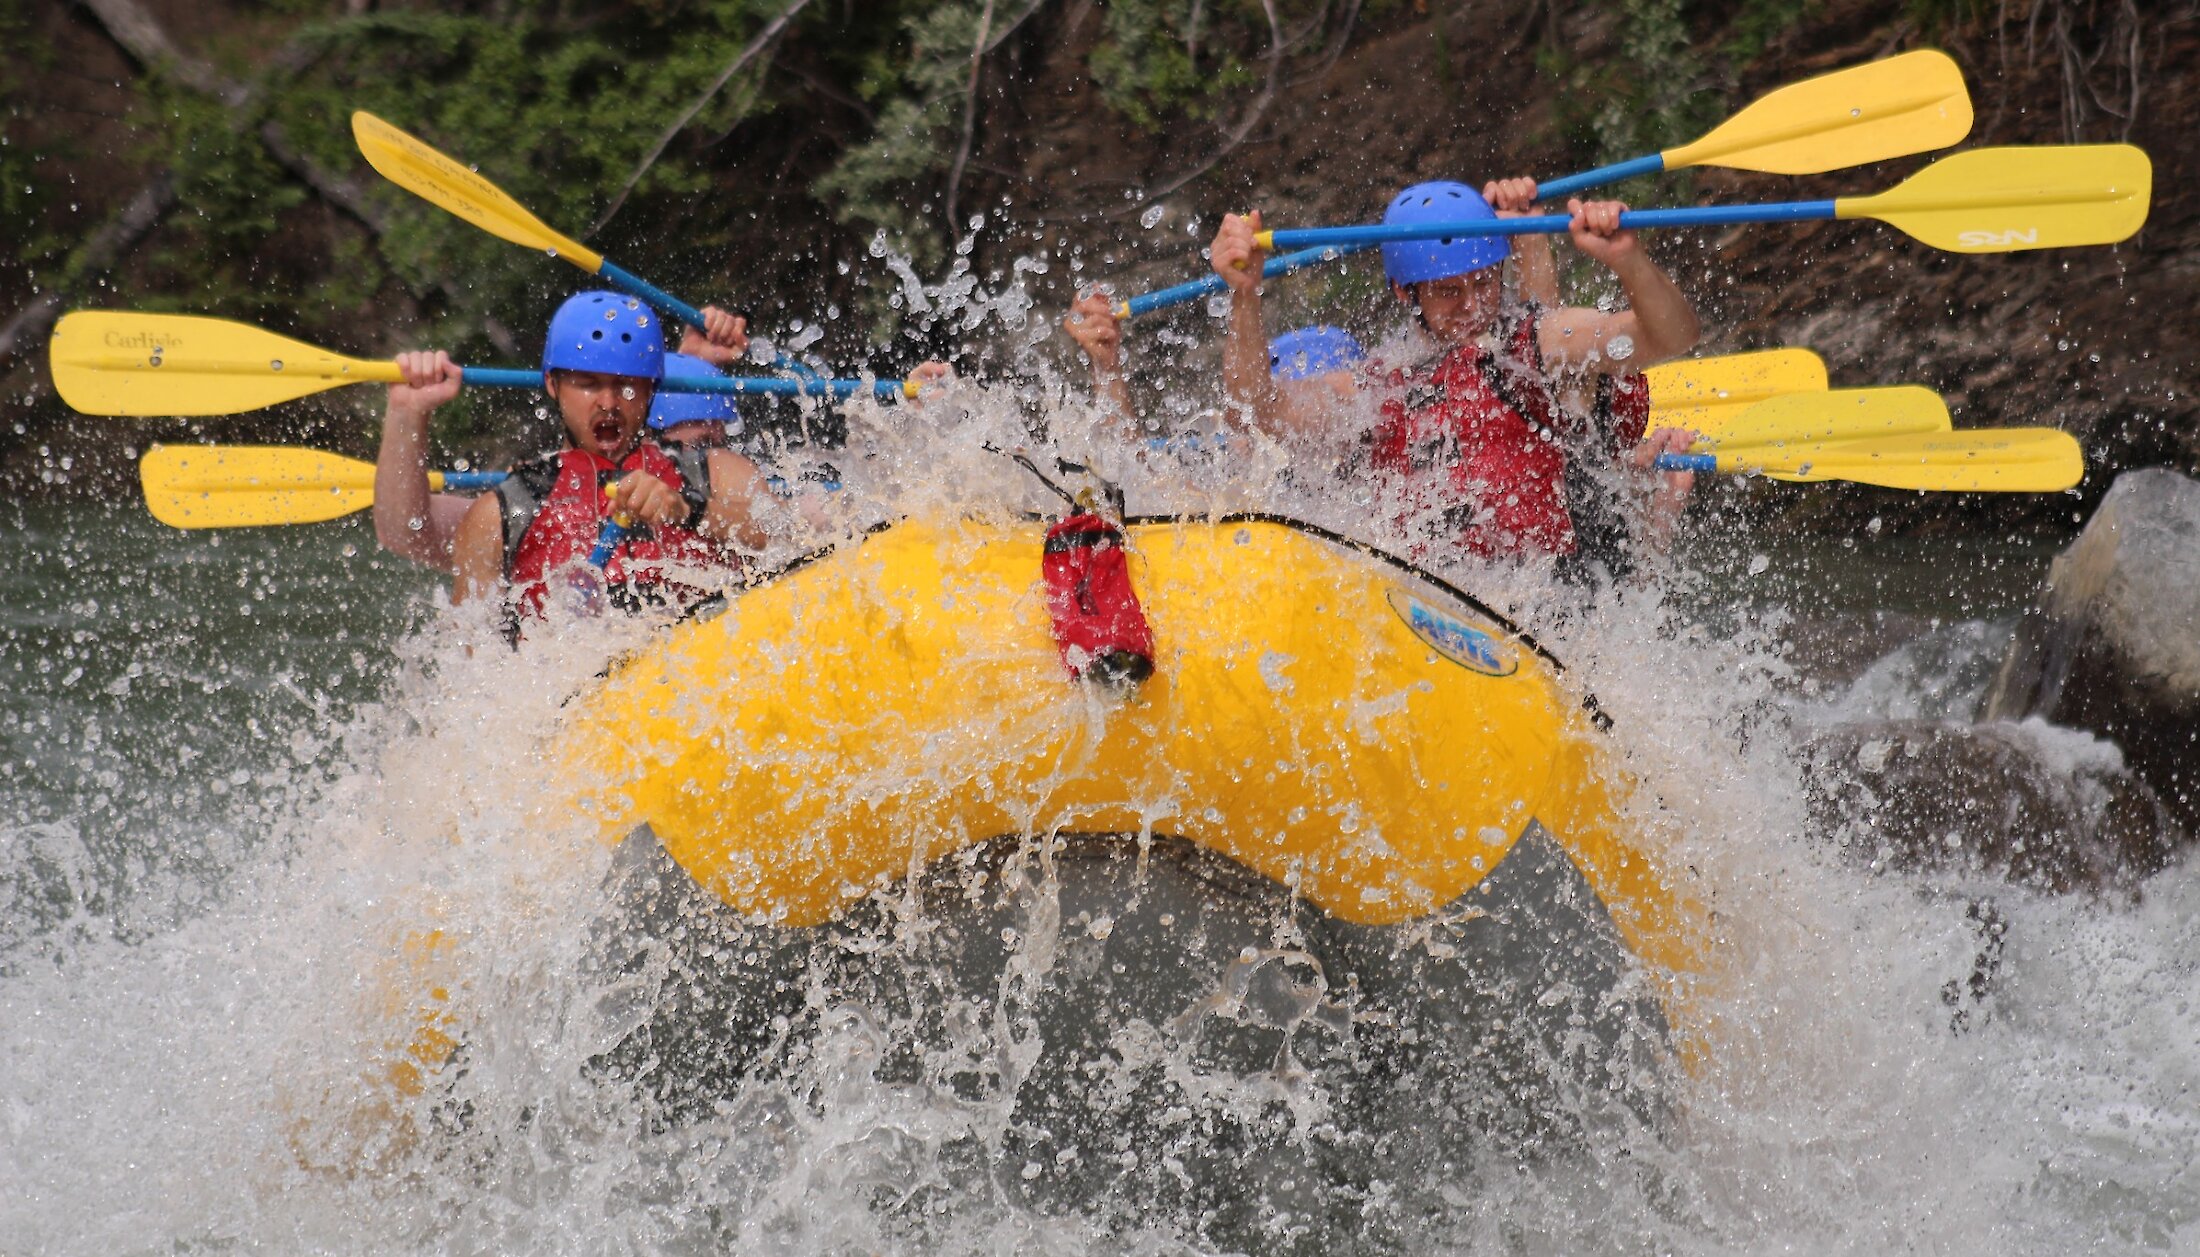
[[1476, 649]]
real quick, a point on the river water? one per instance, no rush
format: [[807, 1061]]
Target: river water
[[235, 765]]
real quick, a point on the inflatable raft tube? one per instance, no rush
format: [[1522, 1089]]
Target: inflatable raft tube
[[1327, 717], [1339, 891]]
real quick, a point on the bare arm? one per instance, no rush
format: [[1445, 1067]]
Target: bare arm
[[1253, 396], [407, 521], [736, 486], [1093, 324], [1659, 322], [477, 551], [1245, 380], [445, 510], [1670, 491], [1535, 271]]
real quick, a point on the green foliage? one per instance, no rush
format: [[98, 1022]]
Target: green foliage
[[893, 179], [1669, 83], [1757, 24], [1155, 62], [1651, 95], [236, 192], [27, 165], [1146, 67]]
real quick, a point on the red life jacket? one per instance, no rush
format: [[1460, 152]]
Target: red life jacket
[[553, 508], [1478, 444]]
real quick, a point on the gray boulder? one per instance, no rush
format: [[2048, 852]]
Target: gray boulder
[[2051, 808], [2113, 644]]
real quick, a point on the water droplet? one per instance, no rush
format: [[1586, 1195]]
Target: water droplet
[[1153, 215], [275, 365], [1759, 565]]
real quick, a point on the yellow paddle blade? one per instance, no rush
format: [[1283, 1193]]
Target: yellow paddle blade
[[1913, 103], [1694, 393], [247, 486], [442, 180], [1978, 460], [2000, 200], [119, 362], [1816, 418]]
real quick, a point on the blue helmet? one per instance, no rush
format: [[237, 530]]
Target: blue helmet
[[1418, 261], [608, 333], [668, 408], [1312, 351]]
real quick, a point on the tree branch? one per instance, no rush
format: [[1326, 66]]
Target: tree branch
[[342, 193], [763, 37], [140, 34], [1236, 135], [121, 233], [970, 117], [978, 55]]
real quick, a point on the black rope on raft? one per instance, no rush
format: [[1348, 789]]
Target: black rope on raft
[[1109, 490]]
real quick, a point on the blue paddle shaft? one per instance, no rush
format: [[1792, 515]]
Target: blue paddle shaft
[[1289, 262], [500, 377], [811, 387], [1555, 224], [1194, 290], [1601, 176], [514, 377], [1688, 462], [482, 481], [665, 302]]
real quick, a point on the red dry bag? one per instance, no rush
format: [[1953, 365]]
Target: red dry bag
[[1098, 624]]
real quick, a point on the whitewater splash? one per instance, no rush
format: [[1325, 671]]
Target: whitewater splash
[[204, 973]]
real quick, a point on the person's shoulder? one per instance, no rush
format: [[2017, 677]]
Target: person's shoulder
[[1397, 356], [550, 459], [536, 475]]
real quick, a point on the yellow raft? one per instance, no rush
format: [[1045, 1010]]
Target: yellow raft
[[1354, 842], [1323, 715]]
